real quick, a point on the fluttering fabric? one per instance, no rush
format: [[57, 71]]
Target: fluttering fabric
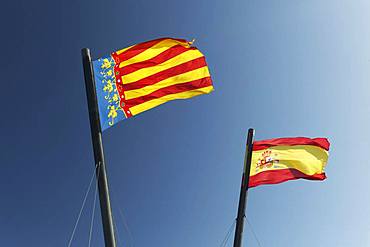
[[146, 75]]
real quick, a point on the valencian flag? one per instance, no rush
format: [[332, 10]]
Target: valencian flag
[[282, 159], [143, 76]]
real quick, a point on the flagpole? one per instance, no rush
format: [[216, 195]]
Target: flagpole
[[244, 191], [96, 136]]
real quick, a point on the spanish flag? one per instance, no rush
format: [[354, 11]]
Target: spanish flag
[[146, 75], [278, 160]]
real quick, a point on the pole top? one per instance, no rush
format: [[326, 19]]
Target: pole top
[[85, 52], [250, 137]]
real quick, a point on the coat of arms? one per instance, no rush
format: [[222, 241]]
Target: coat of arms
[[267, 160]]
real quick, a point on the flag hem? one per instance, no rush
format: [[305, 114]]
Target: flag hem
[[292, 141], [280, 176]]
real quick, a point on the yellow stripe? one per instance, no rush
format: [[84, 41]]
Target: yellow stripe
[[153, 51], [156, 102], [182, 78], [124, 49], [145, 72], [306, 158]]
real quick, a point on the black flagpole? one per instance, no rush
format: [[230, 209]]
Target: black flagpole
[[106, 211], [244, 190]]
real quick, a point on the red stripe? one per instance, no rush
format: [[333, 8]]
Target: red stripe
[[164, 56], [319, 142], [178, 88], [279, 176], [176, 70], [139, 48]]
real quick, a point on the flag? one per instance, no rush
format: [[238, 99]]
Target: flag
[[278, 160], [143, 76]]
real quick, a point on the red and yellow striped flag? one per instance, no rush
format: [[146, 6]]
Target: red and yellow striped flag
[[143, 76], [282, 159]]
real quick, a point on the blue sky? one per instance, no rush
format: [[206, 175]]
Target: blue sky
[[286, 68]]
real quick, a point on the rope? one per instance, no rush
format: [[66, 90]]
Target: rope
[[119, 243], [122, 219], [228, 234], [81, 209], [254, 234], [126, 227], [94, 206]]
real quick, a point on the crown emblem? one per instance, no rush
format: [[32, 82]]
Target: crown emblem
[[267, 160]]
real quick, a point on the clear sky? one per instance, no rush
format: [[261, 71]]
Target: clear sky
[[286, 68]]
